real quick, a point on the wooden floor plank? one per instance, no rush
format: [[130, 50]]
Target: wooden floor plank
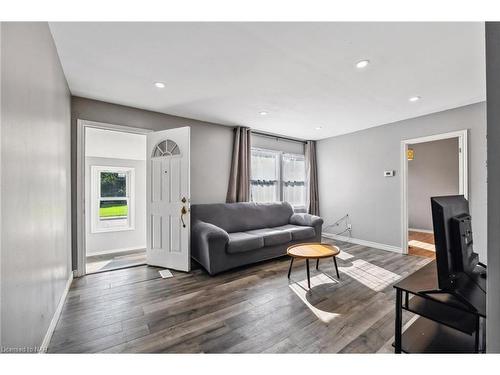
[[421, 244], [252, 309]]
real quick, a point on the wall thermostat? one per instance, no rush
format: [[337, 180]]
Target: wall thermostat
[[389, 173]]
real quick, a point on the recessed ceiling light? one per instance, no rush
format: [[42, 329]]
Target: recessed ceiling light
[[160, 85], [362, 64], [414, 99], [263, 113], [318, 127]]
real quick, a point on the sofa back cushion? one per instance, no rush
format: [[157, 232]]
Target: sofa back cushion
[[240, 217]]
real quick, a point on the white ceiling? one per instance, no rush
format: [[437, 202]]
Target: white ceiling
[[302, 74]]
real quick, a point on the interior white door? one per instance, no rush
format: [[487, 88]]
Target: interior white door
[[168, 199]]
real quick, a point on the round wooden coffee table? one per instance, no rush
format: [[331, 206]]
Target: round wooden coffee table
[[313, 251]]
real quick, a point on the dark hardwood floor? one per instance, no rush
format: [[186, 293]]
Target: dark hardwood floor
[[249, 310]]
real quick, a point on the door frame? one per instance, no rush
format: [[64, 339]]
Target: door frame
[[81, 126], [463, 173]]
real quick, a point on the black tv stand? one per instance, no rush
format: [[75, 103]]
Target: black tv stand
[[447, 321], [455, 293], [482, 273]]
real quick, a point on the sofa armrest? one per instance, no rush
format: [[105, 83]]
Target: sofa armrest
[[207, 239], [306, 220], [209, 232]]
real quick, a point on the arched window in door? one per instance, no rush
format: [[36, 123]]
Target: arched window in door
[[166, 148]]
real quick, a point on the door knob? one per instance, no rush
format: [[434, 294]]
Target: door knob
[[183, 200], [183, 212]]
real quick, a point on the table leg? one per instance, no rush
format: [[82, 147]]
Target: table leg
[[308, 277], [336, 268], [290, 269], [317, 263], [398, 321]]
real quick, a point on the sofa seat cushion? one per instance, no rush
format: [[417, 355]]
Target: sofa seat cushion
[[272, 236], [298, 232], [240, 242]]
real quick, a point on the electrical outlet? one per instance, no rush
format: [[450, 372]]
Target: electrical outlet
[[349, 226]]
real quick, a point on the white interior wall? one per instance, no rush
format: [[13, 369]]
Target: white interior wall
[[116, 149], [103, 143]]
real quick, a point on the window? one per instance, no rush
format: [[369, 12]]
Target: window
[[265, 176], [112, 198], [277, 176], [166, 148], [294, 177]]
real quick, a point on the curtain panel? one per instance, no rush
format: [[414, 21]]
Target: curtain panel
[[312, 194], [239, 177]]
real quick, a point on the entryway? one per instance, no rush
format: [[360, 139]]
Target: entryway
[[434, 165], [115, 199], [133, 197]]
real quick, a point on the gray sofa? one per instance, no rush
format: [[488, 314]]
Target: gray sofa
[[228, 235]]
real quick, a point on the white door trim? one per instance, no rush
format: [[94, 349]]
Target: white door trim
[[463, 172], [81, 125]]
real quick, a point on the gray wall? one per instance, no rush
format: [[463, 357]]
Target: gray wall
[[350, 174], [434, 171], [277, 144], [493, 99], [35, 169], [211, 146]]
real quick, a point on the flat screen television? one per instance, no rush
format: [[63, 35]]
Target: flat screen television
[[455, 257]]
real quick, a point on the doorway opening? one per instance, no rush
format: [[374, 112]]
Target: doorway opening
[[133, 197], [111, 192], [431, 166], [115, 199]]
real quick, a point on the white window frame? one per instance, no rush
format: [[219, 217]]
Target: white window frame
[[96, 225], [281, 182]]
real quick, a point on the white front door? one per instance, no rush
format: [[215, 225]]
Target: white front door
[[168, 197]]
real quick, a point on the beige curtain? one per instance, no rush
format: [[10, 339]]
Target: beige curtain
[[312, 201], [239, 178]]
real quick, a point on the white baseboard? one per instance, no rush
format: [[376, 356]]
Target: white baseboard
[[55, 318], [421, 230], [357, 241]]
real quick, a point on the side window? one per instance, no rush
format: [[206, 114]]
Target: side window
[[112, 198]]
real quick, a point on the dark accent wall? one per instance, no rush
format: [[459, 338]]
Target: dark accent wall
[[211, 147], [434, 171], [493, 132]]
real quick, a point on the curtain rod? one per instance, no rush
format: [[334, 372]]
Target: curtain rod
[[278, 137]]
